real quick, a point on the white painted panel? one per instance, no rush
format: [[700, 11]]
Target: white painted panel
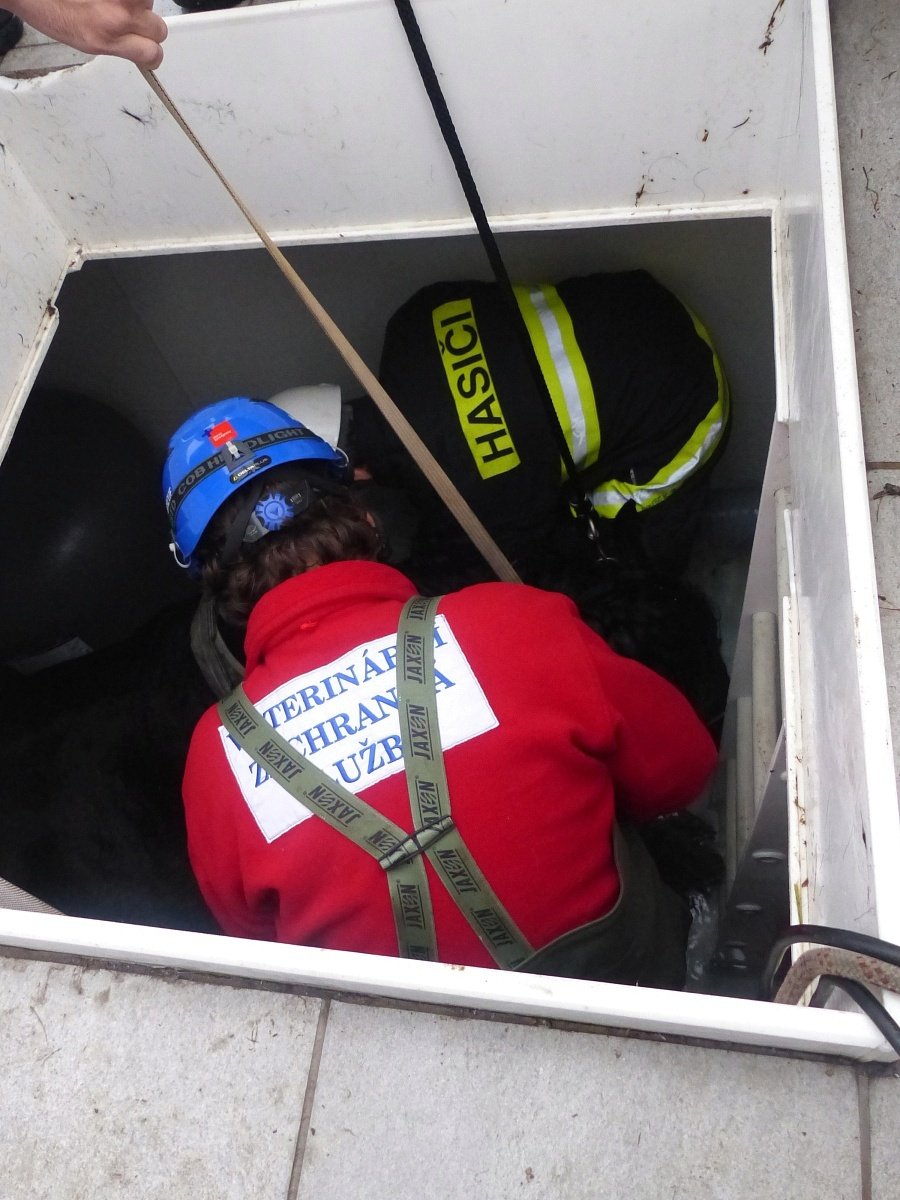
[[587, 105], [574, 113], [840, 764], [852, 819], [34, 255], [724, 1020]]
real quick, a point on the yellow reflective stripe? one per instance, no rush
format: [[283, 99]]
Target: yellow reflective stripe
[[564, 369], [472, 387], [723, 393], [612, 495]]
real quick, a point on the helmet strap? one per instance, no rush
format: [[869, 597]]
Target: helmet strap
[[247, 528], [238, 530]]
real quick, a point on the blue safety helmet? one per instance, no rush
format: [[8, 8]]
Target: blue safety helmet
[[227, 445]]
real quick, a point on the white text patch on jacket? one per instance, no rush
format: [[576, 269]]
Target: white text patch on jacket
[[344, 718]]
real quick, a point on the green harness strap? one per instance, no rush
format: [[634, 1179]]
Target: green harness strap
[[347, 814], [429, 796], [397, 852]]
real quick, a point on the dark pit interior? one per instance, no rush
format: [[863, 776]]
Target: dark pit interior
[[98, 674]]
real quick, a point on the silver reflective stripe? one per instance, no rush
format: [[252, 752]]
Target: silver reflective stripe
[[562, 369]]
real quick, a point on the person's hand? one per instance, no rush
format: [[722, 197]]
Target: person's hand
[[126, 28]]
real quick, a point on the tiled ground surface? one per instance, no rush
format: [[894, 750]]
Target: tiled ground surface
[[496, 1110], [134, 1088], [885, 515], [866, 44], [201, 1096], [885, 1116], [866, 39], [125, 1086]]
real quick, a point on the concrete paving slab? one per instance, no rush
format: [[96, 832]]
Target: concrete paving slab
[[885, 516], [884, 1101], [890, 637], [866, 41], [411, 1105], [884, 497], [131, 1087]]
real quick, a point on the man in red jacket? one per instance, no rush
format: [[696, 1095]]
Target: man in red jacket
[[553, 745]]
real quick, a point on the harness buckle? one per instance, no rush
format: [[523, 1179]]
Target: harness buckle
[[594, 528], [417, 843]]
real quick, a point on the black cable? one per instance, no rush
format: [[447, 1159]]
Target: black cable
[[870, 1005], [841, 939], [825, 935], [579, 500], [822, 994]]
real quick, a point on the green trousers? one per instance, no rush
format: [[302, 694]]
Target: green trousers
[[641, 940]]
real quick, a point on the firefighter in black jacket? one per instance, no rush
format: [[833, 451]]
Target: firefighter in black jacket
[[636, 385]]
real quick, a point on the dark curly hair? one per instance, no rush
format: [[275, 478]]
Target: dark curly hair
[[332, 529]]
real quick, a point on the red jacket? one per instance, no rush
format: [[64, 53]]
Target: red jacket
[[547, 733]]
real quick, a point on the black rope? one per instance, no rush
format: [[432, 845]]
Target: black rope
[[870, 1005], [579, 499], [841, 939], [825, 935]]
